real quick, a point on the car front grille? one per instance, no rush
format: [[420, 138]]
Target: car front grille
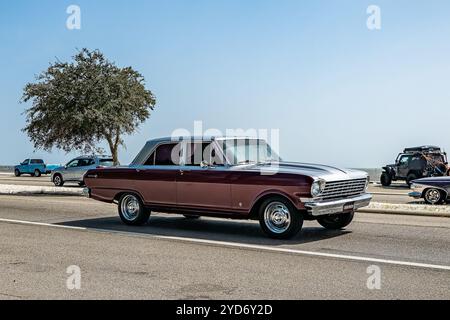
[[343, 189]]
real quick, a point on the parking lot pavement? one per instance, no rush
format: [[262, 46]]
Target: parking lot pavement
[[26, 180], [175, 258]]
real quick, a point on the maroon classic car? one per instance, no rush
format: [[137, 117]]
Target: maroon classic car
[[239, 178]]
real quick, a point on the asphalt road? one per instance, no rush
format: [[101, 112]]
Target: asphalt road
[[397, 193], [175, 258]]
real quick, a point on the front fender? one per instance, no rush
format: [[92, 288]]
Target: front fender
[[296, 202]]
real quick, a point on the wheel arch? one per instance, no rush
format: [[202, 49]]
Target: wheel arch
[[253, 215], [444, 191], [119, 195], [417, 173]]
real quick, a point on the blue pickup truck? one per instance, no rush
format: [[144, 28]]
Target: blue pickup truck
[[33, 167]]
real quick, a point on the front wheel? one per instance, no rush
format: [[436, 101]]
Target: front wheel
[[132, 210], [336, 221], [385, 179], [17, 173], [58, 180], [434, 196], [279, 219]]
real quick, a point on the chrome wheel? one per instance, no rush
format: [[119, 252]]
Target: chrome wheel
[[130, 207], [277, 217], [433, 196], [57, 180]]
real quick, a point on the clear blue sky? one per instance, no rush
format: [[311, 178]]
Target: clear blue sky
[[339, 93]]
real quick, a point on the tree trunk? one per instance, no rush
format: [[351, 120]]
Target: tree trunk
[[115, 155], [114, 148]]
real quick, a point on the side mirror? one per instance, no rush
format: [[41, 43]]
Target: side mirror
[[204, 164]]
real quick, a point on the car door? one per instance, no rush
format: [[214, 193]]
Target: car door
[[83, 166], [24, 166], [156, 179], [203, 187], [36, 164], [403, 165], [70, 170]]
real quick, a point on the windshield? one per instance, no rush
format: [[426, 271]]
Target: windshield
[[248, 151]]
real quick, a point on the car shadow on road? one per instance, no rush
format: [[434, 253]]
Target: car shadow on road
[[247, 232]]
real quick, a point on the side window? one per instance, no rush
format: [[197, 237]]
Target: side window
[[85, 162], [202, 151], [25, 161], [36, 161], [404, 161], [151, 160], [168, 155], [73, 164]]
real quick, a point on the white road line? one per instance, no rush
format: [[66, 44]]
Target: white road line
[[244, 246], [41, 224]]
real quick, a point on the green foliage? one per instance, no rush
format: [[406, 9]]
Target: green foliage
[[77, 104]]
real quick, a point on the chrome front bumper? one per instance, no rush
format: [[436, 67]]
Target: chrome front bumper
[[417, 190], [322, 208], [86, 192]]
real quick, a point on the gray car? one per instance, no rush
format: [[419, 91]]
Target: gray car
[[75, 169]]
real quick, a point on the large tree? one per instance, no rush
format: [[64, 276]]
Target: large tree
[[78, 104]]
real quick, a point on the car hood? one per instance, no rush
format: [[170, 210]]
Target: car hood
[[432, 180], [314, 171]]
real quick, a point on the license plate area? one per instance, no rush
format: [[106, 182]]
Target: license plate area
[[349, 207]]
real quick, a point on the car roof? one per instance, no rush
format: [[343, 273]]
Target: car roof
[[197, 138], [92, 157]]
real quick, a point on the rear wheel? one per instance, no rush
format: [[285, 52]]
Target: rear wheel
[[385, 179], [58, 180], [279, 219], [336, 221], [37, 173], [17, 173], [132, 211], [434, 196]]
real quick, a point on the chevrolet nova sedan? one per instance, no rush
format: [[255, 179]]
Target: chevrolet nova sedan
[[237, 178]]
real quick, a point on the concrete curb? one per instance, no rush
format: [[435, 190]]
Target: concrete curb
[[405, 213], [407, 209], [36, 190], [395, 194]]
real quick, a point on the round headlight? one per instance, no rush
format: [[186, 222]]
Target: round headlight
[[317, 188]]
